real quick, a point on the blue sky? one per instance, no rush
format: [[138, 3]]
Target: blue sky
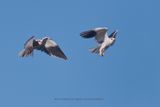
[[127, 76]]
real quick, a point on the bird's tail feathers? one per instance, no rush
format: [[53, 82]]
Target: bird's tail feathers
[[95, 50]]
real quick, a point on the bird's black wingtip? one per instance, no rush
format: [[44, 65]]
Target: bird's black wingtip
[[88, 34], [65, 58], [113, 34]]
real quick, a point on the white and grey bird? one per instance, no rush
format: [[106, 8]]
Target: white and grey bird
[[101, 36], [45, 44]]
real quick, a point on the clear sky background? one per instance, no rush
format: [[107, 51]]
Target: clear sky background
[[127, 76]]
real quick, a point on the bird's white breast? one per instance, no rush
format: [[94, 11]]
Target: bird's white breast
[[107, 41]]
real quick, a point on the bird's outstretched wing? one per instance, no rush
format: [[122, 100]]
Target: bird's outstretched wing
[[99, 34], [51, 48], [28, 47], [29, 42], [88, 34], [113, 34]]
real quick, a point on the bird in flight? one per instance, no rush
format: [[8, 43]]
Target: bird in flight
[[45, 44], [101, 36]]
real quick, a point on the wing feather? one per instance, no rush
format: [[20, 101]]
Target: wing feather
[[88, 34], [53, 49], [28, 48], [101, 33], [29, 42]]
